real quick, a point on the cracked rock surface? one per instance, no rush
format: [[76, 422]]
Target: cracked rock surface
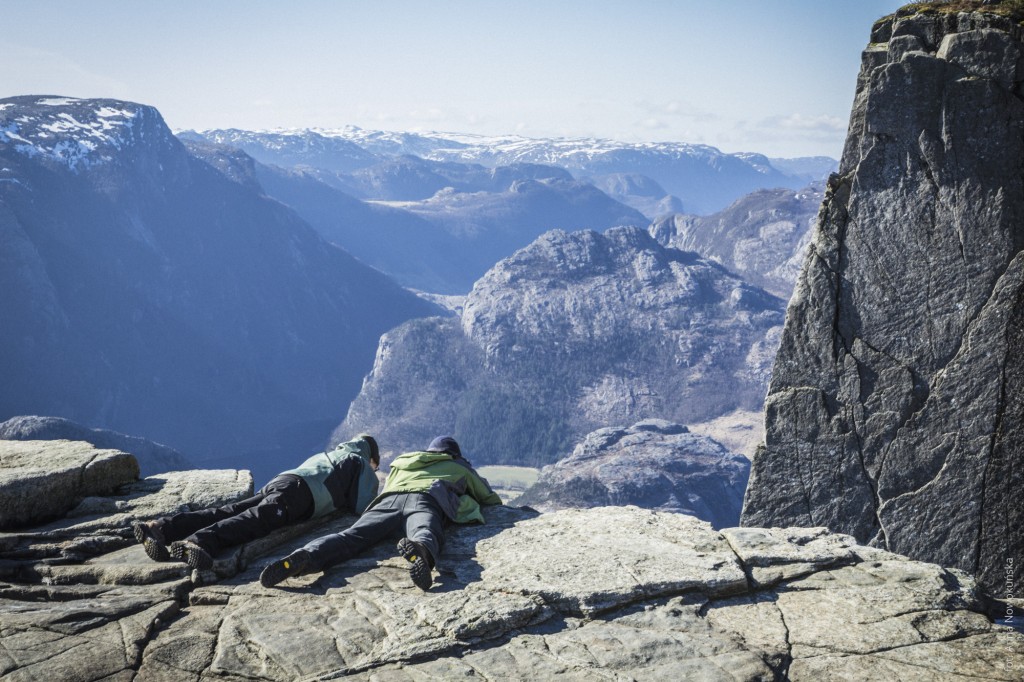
[[606, 593], [895, 410]]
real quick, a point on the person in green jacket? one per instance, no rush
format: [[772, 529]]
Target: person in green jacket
[[342, 479], [423, 490]]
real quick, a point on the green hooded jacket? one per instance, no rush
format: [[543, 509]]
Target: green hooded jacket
[[340, 479], [451, 481]]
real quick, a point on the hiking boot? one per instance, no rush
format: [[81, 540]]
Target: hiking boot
[[417, 555], [292, 565], [192, 554], [177, 551], [152, 540]]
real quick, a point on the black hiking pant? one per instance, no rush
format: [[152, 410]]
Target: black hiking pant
[[418, 515], [286, 499]]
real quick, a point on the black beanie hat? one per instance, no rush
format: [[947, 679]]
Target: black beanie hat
[[374, 451], [445, 444]]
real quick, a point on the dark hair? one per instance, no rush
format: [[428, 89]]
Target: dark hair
[[445, 444], [374, 450]]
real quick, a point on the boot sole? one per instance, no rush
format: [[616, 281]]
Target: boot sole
[[193, 555], [282, 569], [154, 549], [419, 571]]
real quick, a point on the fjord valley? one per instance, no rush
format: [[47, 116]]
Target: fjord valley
[[178, 289]]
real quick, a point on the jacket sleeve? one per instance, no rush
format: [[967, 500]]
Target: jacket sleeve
[[480, 489]]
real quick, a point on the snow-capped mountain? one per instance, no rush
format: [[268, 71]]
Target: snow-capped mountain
[[73, 133], [703, 177], [291, 148]]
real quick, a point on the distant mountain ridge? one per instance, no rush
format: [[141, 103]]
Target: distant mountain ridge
[[445, 224], [703, 177]]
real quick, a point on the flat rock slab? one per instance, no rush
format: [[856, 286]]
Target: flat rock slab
[[591, 560], [99, 525], [44, 479], [772, 555], [616, 592]]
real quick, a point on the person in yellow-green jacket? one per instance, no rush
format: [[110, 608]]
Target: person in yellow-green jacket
[[343, 478], [423, 490]]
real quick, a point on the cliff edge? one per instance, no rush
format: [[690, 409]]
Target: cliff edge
[[895, 410], [615, 592]]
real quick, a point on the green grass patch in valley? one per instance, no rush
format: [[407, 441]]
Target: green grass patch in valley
[[509, 477]]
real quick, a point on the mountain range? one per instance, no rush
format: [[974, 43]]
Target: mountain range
[[183, 291], [152, 291], [703, 178], [440, 226]]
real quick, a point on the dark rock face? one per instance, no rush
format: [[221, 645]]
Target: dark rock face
[[616, 592], [762, 237], [894, 411], [574, 332], [153, 458], [654, 465], [150, 292]]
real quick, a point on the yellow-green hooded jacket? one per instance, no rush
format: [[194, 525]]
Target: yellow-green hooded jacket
[[450, 480]]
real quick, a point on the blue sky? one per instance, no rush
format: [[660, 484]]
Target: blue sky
[[770, 76]]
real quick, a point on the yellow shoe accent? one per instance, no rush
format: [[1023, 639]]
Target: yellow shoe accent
[[287, 565]]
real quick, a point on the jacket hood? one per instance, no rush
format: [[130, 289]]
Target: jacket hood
[[358, 446], [419, 460]]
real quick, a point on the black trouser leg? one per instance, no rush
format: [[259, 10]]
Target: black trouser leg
[[180, 526], [424, 523], [286, 499], [374, 525]]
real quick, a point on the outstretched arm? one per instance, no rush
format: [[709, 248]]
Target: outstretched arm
[[478, 487]]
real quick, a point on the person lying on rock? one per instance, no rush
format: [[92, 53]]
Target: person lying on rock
[[422, 492], [342, 479]]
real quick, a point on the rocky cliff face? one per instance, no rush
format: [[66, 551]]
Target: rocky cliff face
[[617, 592], [894, 412], [653, 464], [762, 237], [573, 333]]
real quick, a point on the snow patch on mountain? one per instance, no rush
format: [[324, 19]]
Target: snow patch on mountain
[[76, 133]]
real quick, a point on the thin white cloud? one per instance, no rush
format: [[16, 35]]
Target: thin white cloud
[[821, 123], [32, 71], [653, 124], [675, 108]]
